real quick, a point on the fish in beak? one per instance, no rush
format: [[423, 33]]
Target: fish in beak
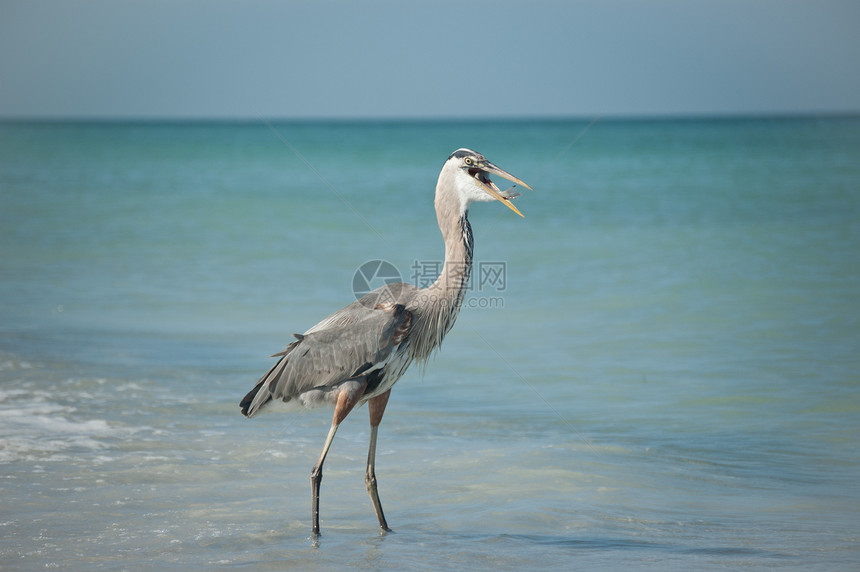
[[480, 171]]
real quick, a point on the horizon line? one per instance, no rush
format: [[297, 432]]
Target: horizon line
[[345, 119]]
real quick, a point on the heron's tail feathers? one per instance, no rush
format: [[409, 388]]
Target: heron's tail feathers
[[261, 395], [248, 401]]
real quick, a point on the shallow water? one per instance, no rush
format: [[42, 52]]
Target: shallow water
[[666, 377]]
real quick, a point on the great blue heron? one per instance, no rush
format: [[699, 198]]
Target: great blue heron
[[359, 352]]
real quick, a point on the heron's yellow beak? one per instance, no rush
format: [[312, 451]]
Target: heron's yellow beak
[[494, 191]]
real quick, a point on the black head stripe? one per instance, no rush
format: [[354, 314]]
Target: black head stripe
[[460, 153]]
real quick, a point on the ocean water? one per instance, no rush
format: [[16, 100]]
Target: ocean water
[[658, 367]]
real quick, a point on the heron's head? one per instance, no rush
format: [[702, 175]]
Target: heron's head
[[468, 173]]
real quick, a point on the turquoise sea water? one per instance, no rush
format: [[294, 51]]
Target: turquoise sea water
[[668, 375]]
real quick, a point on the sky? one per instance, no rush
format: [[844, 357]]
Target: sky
[[426, 59]]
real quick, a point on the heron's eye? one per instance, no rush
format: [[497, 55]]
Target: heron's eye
[[468, 160]]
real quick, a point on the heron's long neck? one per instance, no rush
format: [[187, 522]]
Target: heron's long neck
[[450, 286], [440, 302]]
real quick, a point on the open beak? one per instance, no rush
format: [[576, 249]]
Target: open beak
[[503, 196]]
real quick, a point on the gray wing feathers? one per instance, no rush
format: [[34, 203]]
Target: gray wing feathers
[[346, 344], [397, 293]]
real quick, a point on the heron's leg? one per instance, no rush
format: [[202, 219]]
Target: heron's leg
[[376, 407], [346, 400], [316, 478]]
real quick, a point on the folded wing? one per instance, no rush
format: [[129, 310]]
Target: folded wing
[[347, 346]]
